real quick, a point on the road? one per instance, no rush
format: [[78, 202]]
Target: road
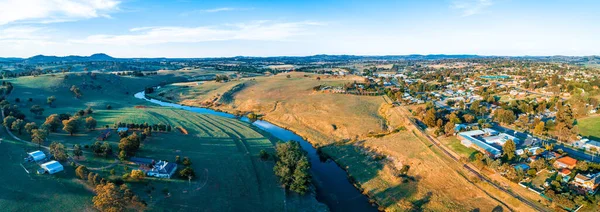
[[569, 150], [472, 170]]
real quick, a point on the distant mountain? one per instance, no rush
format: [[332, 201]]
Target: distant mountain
[[72, 58]]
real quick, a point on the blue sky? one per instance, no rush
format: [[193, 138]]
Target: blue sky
[[188, 28]]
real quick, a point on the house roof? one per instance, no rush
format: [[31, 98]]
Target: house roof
[[565, 171], [141, 160], [52, 165], [37, 155], [569, 161]]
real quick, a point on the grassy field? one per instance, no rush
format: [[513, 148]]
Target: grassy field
[[539, 180], [457, 147], [224, 152], [20, 191], [291, 103], [325, 117], [589, 126]]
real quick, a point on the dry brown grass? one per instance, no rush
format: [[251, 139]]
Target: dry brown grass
[[323, 118]]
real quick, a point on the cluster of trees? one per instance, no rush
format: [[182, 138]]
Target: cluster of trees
[[187, 172], [129, 145], [102, 149], [153, 127], [443, 120], [292, 167], [221, 78], [136, 73], [59, 151], [109, 196]]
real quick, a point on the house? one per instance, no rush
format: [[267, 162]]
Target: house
[[564, 172], [565, 163], [143, 162], [587, 182], [523, 167], [589, 145], [36, 156], [103, 135], [52, 167], [162, 169]]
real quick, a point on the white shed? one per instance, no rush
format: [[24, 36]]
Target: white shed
[[37, 155], [52, 167]]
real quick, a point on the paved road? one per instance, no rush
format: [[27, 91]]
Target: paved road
[[474, 171], [569, 150]]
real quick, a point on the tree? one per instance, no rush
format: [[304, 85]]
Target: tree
[[50, 100], [38, 136], [186, 161], [122, 155], [8, 121], [36, 110], [137, 174], [90, 123], [82, 172], [264, 155], [53, 122], [292, 166], [109, 198], [187, 173], [77, 152], [76, 91], [301, 179], [59, 151], [509, 149], [18, 125], [430, 118], [30, 126], [449, 129], [72, 125], [540, 128]]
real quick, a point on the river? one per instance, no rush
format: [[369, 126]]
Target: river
[[331, 181]]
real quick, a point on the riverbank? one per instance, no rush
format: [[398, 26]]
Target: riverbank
[[369, 161], [332, 191]]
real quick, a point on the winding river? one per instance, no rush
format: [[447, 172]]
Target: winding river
[[331, 181]]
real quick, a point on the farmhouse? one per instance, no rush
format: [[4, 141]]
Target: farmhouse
[[587, 182], [565, 163], [162, 169], [103, 135], [52, 167], [36, 156]]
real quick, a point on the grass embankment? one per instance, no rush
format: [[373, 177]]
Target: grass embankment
[[224, 152], [324, 118]]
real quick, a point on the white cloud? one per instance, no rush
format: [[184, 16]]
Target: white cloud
[[215, 10], [471, 7], [258, 30], [49, 11]]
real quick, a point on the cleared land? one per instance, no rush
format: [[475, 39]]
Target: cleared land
[[224, 152], [340, 123]]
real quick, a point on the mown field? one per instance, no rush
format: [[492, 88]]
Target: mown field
[[224, 152], [589, 126], [327, 119]]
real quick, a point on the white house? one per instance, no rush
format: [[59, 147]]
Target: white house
[[52, 167], [36, 156], [162, 169]]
